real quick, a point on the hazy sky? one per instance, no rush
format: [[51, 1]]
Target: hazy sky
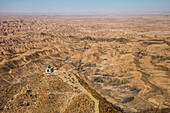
[[84, 6]]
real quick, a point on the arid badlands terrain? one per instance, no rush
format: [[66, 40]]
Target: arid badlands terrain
[[103, 63]]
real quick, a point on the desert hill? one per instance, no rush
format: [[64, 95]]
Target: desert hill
[[118, 62]]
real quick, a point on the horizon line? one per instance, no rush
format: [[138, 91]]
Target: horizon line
[[77, 13]]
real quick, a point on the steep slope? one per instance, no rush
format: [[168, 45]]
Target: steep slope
[[59, 92], [123, 58]]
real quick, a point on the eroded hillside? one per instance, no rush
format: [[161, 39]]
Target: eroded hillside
[[122, 58]]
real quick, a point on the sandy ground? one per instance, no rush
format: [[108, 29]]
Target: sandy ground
[[123, 58], [72, 81]]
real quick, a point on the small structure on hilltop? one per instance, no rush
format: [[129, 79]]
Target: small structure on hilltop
[[49, 69]]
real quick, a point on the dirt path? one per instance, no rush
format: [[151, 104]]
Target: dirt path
[[72, 80]]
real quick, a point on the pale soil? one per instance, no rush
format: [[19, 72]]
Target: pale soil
[[72, 81], [124, 58]]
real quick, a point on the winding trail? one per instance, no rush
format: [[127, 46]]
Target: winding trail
[[72, 80]]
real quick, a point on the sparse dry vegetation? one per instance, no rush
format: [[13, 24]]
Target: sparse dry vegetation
[[121, 61]]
